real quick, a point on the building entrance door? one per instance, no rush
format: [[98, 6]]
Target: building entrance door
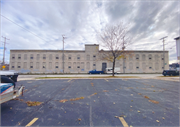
[[104, 66]]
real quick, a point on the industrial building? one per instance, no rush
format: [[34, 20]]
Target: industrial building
[[82, 61]]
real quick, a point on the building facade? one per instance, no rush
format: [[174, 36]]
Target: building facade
[[82, 61]]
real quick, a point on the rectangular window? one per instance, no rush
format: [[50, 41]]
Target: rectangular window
[[78, 58], [78, 66], [44, 56], [13, 56], [150, 58], [50, 65], [19, 66], [137, 58], [38, 57], [25, 64], [12, 67], [150, 67], [50, 56], [162, 58], [31, 65], [94, 64], [31, 57], [19, 56], [56, 65], [69, 58], [57, 57], [44, 65], [37, 65], [69, 67], [137, 67], [25, 56]]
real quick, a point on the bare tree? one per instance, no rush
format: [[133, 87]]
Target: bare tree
[[114, 38]]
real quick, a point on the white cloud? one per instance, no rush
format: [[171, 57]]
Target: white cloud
[[82, 21]]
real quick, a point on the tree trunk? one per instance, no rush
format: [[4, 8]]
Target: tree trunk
[[113, 67]]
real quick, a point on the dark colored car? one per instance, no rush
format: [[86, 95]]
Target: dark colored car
[[96, 72], [170, 72]]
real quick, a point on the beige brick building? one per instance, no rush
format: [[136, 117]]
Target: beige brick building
[[82, 61]]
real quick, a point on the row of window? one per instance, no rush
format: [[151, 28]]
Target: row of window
[[50, 57], [69, 65], [137, 57]]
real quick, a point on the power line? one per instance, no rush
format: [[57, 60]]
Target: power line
[[22, 27], [163, 51]]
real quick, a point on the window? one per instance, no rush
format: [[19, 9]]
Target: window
[[50, 56], [57, 56], [130, 57], [144, 66], [25, 64], [94, 57], [150, 56], [50, 65], [78, 57], [162, 67], [38, 56], [19, 56], [150, 67], [94, 64], [137, 56], [31, 56], [31, 64], [69, 57], [56, 66], [88, 57], [69, 64], [25, 56], [143, 57], [130, 66], [88, 65], [37, 65], [19, 65], [12, 67], [78, 66], [137, 67], [44, 65], [13, 56], [44, 56], [162, 58]]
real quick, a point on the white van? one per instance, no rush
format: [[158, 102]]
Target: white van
[[116, 70]]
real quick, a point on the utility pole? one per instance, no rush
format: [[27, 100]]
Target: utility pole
[[4, 49], [63, 51], [123, 47], [163, 51]]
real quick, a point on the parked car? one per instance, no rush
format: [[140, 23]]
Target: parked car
[[170, 72], [10, 74], [110, 70], [96, 72]]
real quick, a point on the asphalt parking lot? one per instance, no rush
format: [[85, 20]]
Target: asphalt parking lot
[[94, 102]]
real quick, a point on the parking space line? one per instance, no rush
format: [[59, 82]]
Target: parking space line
[[123, 122], [69, 80], [106, 80], [30, 123]]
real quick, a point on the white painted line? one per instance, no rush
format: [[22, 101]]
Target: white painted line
[[30, 123], [90, 114], [106, 80], [69, 80], [123, 122]]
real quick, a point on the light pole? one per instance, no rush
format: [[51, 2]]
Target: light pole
[[63, 51], [163, 52]]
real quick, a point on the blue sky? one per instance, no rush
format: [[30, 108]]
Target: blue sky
[[81, 21]]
